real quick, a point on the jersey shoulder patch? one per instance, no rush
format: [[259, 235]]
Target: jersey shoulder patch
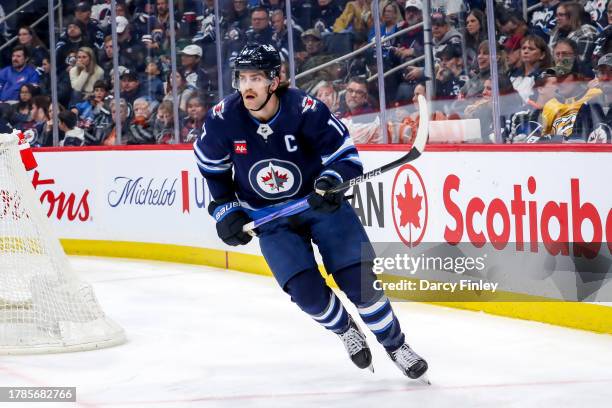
[[217, 110], [308, 103]]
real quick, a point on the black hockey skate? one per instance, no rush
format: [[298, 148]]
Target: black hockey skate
[[355, 343], [410, 363]]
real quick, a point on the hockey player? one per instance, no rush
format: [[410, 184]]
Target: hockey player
[[281, 143]]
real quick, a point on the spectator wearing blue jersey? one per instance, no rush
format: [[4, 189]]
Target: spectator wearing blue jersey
[[603, 42], [324, 14], [543, 20], [151, 82], [94, 33], [88, 110], [20, 72], [390, 18]]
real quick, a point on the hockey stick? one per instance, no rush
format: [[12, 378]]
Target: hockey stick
[[417, 149]]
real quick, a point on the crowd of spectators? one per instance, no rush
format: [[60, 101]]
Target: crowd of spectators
[[554, 67]]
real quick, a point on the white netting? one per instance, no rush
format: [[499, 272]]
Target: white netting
[[43, 306]]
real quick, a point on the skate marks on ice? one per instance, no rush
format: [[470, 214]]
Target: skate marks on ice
[[203, 337]]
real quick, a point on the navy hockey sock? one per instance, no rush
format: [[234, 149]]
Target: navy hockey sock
[[381, 320], [373, 306], [310, 292]]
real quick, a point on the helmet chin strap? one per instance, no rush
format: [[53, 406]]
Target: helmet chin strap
[[265, 102]]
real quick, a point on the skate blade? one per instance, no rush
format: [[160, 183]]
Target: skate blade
[[371, 368], [424, 379]]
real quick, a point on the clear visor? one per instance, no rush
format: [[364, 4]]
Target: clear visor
[[244, 80]]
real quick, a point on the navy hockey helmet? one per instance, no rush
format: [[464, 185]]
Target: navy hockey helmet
[[259, 57]]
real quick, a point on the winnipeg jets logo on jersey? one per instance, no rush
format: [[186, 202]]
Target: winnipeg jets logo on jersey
[[218, 110], [308, 103], [274, 179]]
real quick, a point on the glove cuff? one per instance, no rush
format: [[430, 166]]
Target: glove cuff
[[330, 177], [221, 211]]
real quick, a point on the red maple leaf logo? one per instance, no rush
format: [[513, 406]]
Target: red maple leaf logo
[[274, 180], [409, 206]]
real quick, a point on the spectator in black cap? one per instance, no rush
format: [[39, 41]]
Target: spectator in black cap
[[82, 13], [594, 119], [130, 86], [450, 76], [73, 38], [442, 32]]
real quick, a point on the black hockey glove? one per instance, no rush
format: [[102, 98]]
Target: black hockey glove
[[327, 202], [230, 219]]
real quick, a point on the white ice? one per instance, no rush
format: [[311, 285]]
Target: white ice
[[205, 337]]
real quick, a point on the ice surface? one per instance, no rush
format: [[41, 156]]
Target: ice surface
[[204, 337]]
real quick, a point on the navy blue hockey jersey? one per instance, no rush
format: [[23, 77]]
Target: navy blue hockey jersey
[[276, 161]]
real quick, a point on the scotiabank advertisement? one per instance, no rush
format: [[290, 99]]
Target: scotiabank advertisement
[[535, 222]]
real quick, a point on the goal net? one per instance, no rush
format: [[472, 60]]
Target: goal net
[[44, 307]]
